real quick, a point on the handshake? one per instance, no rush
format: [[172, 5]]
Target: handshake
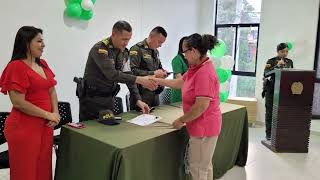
[[151, 82]]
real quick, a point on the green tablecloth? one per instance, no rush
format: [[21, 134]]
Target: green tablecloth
[[155, 152]]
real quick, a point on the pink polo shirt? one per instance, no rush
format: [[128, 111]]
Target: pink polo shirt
[[202, 81]]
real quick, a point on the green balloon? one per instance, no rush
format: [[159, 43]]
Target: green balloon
[[219, 50], [74, 1], [93, 1], [222, 74], [86, 15], [229, 72], [224, 96], [74, 10], [290, 45]]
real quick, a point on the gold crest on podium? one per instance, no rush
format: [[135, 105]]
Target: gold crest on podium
[[297, 88]]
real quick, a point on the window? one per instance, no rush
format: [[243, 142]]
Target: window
[[237, 24], [316, 96]]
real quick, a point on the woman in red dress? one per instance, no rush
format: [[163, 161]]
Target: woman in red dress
[[29, 129]]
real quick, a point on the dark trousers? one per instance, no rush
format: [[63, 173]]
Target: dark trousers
[[149, 97], [269, 108], [90, 107]]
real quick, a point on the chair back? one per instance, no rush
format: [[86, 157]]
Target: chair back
[[165, 96], [65, 114], [118, 107]]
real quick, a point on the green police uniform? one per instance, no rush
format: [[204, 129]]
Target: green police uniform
[[268, 88], [105, 68], [144, 61]]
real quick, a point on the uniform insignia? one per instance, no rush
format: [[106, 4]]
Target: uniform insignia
[[133, 53], [103, 51], [297, 88], [268, 65], [105, 41], [147, 56]]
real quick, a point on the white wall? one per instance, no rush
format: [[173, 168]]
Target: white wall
[[69, 41], [206, 16], [286, 21]]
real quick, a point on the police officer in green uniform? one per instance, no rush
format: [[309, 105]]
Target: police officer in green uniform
[[144, 61], [280, 61], [105, 68]]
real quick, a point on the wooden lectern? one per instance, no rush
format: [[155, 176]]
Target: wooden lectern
[[292, 110]]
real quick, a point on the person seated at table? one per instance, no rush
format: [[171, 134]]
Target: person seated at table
[[201, 104]]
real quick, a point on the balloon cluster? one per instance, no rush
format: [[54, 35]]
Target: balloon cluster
[[80, 9], [224, 65], [290, 45]]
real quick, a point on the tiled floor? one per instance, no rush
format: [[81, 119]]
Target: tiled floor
[[315, 126], [263, 164]]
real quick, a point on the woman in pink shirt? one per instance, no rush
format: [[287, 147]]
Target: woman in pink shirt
[[200, 97]]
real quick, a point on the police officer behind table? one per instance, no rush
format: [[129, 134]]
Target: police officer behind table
[[144, 60], [105, 69], [280, 61]]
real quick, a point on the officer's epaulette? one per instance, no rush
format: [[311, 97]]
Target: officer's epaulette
[[106, 41], [140, 44]]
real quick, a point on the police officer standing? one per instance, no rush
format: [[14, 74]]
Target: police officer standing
[[280, 61], [144, 60], [105, 69]]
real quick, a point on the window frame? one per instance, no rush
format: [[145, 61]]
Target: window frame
[[238, 27], [316, 61]]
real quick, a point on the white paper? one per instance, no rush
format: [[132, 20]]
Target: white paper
[[144, 119]]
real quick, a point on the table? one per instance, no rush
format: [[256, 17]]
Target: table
[[155, 152]]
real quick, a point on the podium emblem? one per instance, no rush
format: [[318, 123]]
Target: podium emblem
[[297, 88]]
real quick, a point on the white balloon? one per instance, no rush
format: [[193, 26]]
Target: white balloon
[[216, 62], [87, 5], [225, 86], [227, 62]]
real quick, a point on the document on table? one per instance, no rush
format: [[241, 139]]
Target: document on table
[[144, 119]]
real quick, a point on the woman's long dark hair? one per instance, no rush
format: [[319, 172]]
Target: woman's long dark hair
[[180, 50], [22, 41]]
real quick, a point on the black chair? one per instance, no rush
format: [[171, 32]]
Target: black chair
[[165, 96], [4, 156], [66, 117], [118, 107], [128, 101]]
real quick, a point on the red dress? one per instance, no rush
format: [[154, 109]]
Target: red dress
[[30, 141]]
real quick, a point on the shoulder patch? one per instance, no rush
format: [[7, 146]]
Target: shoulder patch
[[103, 51], [133, 53]]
